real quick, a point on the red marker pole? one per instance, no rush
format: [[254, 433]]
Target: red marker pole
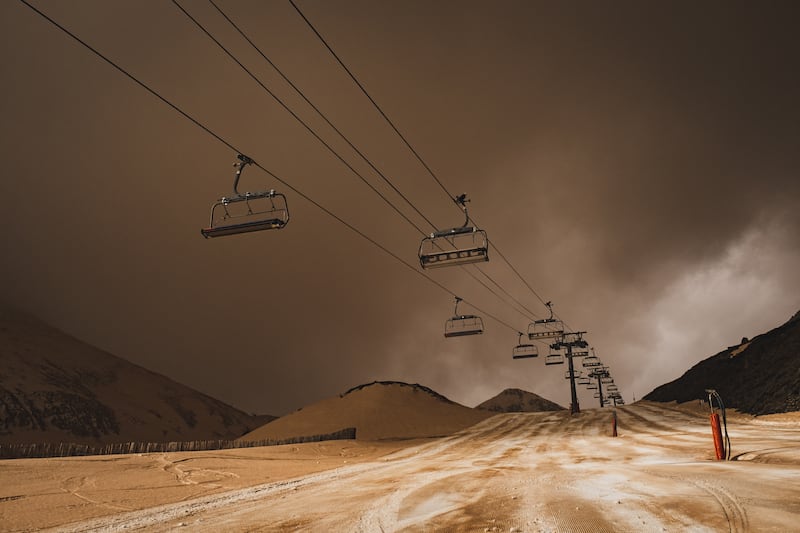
[[614, 424], [716, 431]]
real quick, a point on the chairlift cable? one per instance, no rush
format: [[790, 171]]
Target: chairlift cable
[[374, 103], [320, 113], [530, 314], [255, 163], [137, 81], [325, 118], [294, 115], [402, 137]]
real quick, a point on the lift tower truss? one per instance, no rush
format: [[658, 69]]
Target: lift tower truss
[[572, 341]]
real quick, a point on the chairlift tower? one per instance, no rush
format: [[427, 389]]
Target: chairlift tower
[[601, 373], [570, 341]]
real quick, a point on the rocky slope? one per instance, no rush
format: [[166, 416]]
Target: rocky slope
[[55, 388], [518, 401], [759, 376]]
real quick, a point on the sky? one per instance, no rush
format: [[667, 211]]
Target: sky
[[635, 162]]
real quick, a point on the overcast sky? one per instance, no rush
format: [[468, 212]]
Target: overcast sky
[[636, 162]]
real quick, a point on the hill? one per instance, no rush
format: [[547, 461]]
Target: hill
[[518, 401], [55, 388], [378, 410], [759, 376]]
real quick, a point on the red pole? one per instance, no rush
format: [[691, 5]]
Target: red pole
[[716, 432], [614, 424]]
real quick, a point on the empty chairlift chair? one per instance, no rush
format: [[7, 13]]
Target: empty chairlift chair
[[546, 328], [592, 361], [248, 211], [524, 351], [555, 357], [462, 325], [455, 246]]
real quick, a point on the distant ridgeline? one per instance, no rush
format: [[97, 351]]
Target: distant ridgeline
[[518, 401], [55, 388], [759, 376], [415, 386]]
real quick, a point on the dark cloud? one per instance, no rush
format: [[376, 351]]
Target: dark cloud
[[638, 165]]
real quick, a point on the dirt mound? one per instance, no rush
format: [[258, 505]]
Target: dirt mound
[[518, 401], [378, 410], [759, 376]]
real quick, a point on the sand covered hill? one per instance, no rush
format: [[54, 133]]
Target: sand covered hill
[[55, 388], [759, 376], [379, 410], [518, 401]]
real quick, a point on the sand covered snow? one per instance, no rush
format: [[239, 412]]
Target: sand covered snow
[[526, 471]]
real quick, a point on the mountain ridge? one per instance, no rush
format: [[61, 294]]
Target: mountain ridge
[[518, 401], [759, 376], [56, 388]]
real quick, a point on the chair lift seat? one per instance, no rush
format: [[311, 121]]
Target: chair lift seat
[[445, 258], [523, 351], [554, 360], [462, 325], [243, 227]]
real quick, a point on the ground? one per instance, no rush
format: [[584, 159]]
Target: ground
[[512, 472]]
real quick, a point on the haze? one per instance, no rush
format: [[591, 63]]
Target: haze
[[636, 162]]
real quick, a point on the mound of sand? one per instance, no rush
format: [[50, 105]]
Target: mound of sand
[[379, 410]]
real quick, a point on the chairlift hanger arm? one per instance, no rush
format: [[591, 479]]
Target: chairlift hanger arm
[[243, 162], [461, 201]]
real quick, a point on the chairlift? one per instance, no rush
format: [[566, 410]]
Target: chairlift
[[455, 246], [555, 357], [524, 351], [592, 386], [462, 325], [584, 380], [580, 353], [606, 381], [248, 211], [592, 361], [546, 328]]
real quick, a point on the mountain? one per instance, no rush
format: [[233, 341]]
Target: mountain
[[759, 376], [518, 401], [55, 388], [378, 410]]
